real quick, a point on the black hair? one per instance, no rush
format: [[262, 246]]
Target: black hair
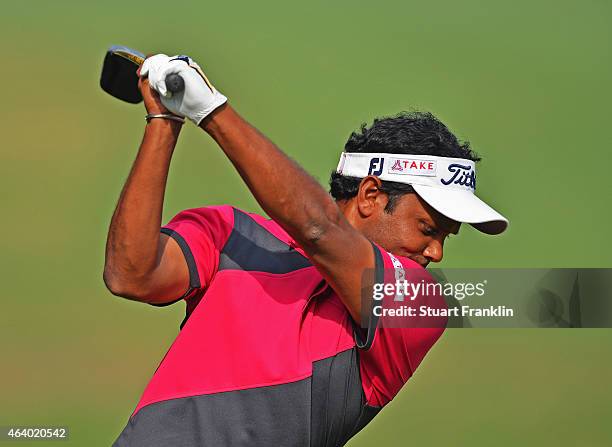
[[417, 133]]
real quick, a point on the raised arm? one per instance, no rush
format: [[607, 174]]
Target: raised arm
[[286, 192], [298, 203], [141, 263]]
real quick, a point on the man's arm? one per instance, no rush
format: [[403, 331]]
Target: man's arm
[[141, 263], [298, 203]]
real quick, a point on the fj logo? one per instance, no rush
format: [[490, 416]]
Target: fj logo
[[376, 166]]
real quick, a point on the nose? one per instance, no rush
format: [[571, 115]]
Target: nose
[[433, 251]]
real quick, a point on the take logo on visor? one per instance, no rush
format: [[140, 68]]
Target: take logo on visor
[[409, 166]]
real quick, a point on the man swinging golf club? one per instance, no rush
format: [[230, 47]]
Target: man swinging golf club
[[279, 346]]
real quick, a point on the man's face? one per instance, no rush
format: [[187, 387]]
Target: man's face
[[413, 229]]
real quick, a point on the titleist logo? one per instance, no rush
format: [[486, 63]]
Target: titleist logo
[[462, 175]]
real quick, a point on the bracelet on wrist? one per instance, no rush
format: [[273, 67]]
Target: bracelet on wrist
[[166, 116]]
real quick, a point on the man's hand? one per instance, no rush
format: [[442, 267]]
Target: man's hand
[[152, 101], [196, 101]]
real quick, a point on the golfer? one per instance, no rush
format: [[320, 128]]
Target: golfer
[[279, 346]]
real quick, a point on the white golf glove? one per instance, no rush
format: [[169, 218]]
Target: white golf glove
[[197, 100]]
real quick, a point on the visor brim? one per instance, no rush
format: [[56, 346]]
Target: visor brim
[[463, 206]]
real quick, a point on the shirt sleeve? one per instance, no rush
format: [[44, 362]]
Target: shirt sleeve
[[393, 347], [201, 234]]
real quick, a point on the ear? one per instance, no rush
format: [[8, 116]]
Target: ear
[[370, 199]]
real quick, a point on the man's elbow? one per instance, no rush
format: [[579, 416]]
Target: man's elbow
[[123, 288], [321, 231], [113, 284]]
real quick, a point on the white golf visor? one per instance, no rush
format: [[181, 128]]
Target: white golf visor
[[446, 184]]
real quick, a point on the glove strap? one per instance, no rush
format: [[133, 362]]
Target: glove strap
[[167, 116]]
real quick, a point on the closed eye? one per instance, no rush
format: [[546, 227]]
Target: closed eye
[[427, 229]]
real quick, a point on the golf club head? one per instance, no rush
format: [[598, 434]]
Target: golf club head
[[119, 78]]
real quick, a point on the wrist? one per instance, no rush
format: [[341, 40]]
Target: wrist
[[165, 116], [160, 127], [214, 121]]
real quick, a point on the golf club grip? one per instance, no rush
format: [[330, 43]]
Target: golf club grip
[[175, 83]]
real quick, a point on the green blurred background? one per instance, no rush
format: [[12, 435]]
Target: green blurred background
[[527, 82]]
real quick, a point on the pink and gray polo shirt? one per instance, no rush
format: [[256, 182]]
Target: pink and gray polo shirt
[[267, 354]]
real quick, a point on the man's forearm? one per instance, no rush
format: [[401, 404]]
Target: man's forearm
[[298, 203], [133, 238], [283, 189]]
